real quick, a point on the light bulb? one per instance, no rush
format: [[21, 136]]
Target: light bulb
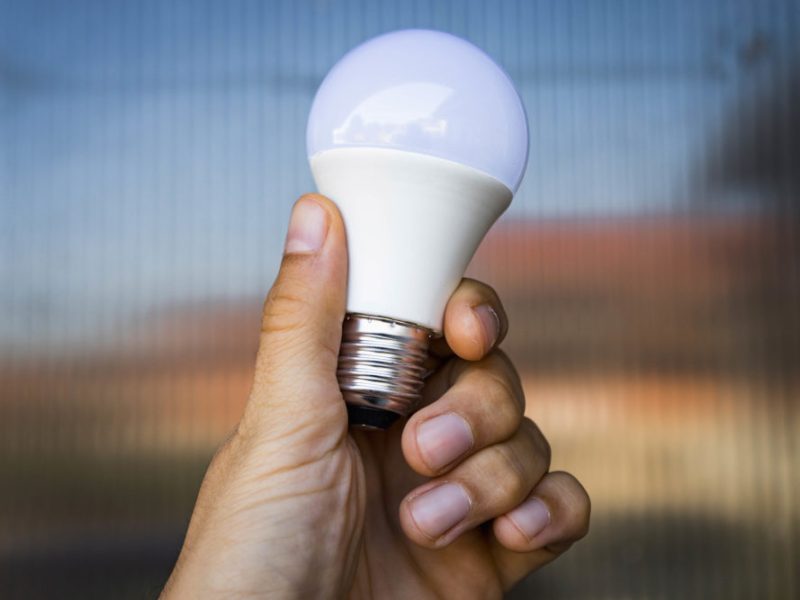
[[421, 140]]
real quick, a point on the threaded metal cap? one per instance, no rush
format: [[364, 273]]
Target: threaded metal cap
[[381, 368]]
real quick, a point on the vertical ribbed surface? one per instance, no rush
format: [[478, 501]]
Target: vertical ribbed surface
[[150, 152]]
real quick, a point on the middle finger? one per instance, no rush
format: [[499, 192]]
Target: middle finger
[[483, 406]]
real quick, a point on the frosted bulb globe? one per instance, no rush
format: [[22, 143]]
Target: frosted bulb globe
[[421, 140]]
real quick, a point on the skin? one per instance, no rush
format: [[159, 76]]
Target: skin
[[295, 505]]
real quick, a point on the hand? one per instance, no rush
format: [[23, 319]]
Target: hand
[[455, 502]]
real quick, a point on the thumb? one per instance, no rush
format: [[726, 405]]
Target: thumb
[[295, 385]]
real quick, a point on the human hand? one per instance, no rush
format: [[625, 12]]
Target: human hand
[[454, 502]]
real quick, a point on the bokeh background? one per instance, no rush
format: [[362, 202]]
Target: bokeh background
[[150, 152]]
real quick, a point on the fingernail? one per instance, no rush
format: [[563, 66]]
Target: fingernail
[[440, 509], [531, 517], [307, 228], [443, 439], [490, 322]]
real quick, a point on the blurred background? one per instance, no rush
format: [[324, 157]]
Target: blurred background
[[150, 152]]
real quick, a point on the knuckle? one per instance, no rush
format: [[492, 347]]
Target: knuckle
[[580, 527], [577, 505], [484, 290], [499, 392], [505, 376], [220, 461], [559, 548], [541, 446], [503, 418], [285, 307], [503, 410], [499, 356], [514, 380], [513, 481], [583, 516]]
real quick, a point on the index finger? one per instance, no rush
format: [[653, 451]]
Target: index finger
[[474, 322]]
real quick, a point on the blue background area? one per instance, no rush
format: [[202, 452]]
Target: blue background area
[[150, 151]]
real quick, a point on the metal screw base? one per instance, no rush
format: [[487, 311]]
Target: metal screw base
[[381, 368]]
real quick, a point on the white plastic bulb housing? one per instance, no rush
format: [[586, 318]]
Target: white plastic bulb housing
[[421, 140]]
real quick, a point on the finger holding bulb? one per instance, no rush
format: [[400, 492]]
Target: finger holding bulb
[[485, 485], [484, 405], [483, 456], [475, 322], [487, 461], [466, 405]]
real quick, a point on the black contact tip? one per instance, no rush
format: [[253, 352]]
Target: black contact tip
[[367, 417]]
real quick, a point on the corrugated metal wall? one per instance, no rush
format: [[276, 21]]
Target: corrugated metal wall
[[150, 152]]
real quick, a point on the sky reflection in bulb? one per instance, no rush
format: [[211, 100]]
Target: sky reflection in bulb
[[379, 120]]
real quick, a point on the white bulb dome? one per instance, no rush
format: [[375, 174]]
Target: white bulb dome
[[424, 92]]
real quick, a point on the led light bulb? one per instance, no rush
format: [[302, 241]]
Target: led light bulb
[[421, 140]]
